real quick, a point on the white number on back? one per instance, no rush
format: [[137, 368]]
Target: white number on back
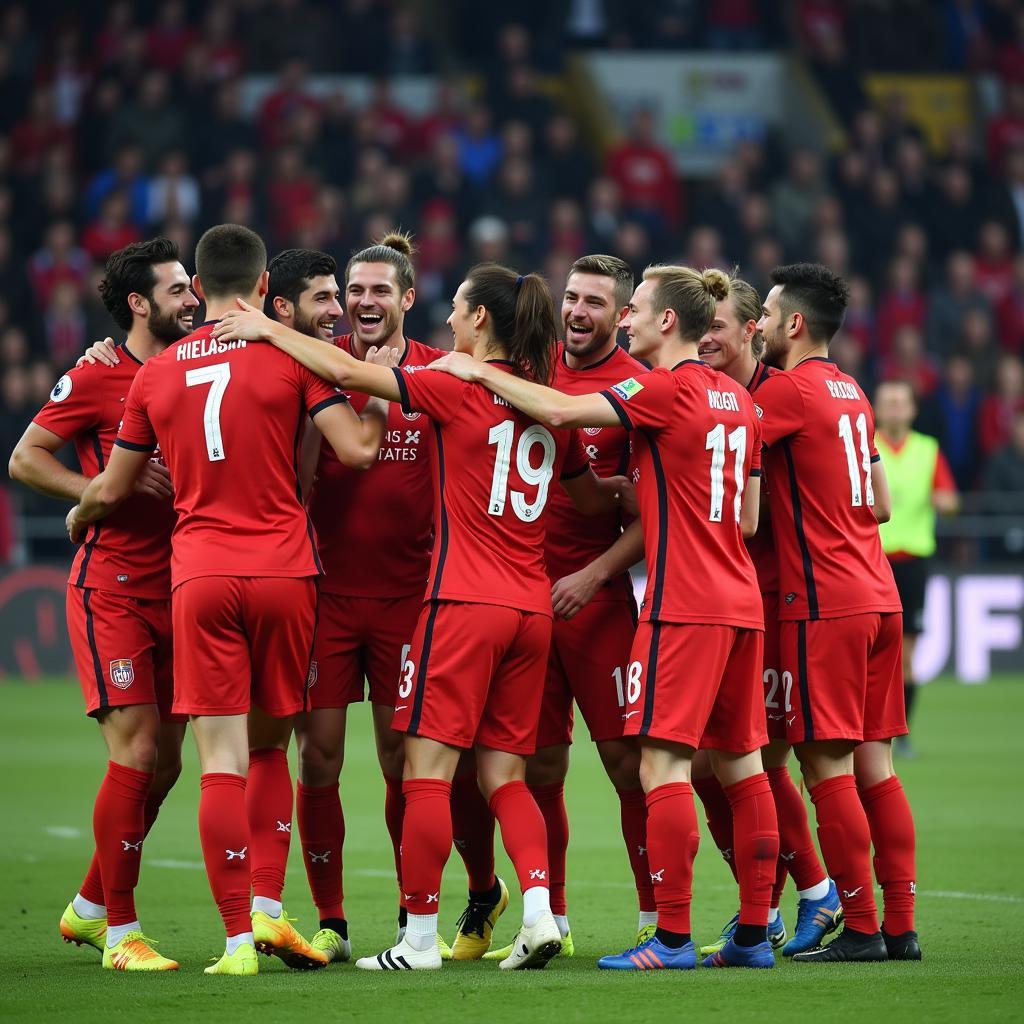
[[217, 375], [715, 443], [539, 476], [858, 496]]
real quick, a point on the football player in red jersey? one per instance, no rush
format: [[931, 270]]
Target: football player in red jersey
[[243, 568], [118, 600], [695, 674], [474, 674], [840, 620], [374, 535], [734, 346]]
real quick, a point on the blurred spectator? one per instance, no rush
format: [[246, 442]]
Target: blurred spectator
[[908, 361], [111, 230], [950, 301], [291, 195], [479, 147], [1010, 54], [390, 127], [953, 220], [38, 131], [278, 106], [1011, 311], [993, 265], [407, 50], [859, 322], [733, 25], [967, 41], [1004, 485], [151, 121], [170, 37], [900, 305], [645, 175], [59, 259], [488, 239], [978, 342], [795, 197], [517, 201], [952, 416], [125, 175], [65, 336], [567, 166], [1005, 131], [173, 193], [603, 214], [224, 57], [223, 131], [997, 412]]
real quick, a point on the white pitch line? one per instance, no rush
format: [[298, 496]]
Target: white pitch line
[[63, 831]]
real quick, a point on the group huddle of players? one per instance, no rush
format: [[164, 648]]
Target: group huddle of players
[[309, 515]]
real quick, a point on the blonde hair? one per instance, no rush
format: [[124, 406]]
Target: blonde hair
[[748, 306], [691, 294]]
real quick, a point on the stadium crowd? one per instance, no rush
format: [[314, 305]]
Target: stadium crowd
[[123, 121]]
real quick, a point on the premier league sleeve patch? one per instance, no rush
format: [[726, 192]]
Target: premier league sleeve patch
[[61, 389], [628, 388]]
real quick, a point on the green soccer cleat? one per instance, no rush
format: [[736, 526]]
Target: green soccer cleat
[[727, 933], [645, 933], [243, 962], [332, 945], [136, 953], [83, 931], [443, 948]]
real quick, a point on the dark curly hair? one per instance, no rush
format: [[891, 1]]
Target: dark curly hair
[[130, 270], [814, 291], [292, 270]]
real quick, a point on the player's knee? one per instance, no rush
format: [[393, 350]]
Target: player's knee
[[391, 760], [319, 763], [621, 763], [138, 751], [548, 766]]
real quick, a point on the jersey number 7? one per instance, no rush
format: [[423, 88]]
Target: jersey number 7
[[217, 375]]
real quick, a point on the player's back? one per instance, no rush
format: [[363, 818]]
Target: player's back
[[821, 429], [229, 419], [494, 471], [698, 441]]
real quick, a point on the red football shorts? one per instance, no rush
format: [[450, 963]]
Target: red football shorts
[[122, 649], [698, 685], [846, 677], [242, 641], [774, 696], [475, 675], [588, 661], [360, 639]]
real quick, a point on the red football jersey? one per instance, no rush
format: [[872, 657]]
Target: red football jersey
[[762, 545], [573, 540], [129, 552], [697, 442], [229, 417], [494, 470], [821, 433], [375, 528]]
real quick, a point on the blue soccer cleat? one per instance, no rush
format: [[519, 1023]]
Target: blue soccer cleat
[[652, 955], [777, 932], [814, 920], [731, 955]]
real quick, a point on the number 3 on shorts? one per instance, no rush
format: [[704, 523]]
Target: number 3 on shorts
[[408, 671]]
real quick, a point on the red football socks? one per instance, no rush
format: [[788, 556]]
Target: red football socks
[[633, 815], [756, 853], [892, 833], [118, 823], [322, 836], [394, 819], [846, 846], [426, 842], [550, 800], [268, 801], [672, 839], [522, 834], [719, 815], [473, 826], [797, 854], [224, 833]]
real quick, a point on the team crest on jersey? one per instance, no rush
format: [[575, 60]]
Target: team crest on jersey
[[122, 673], [759, 411], [592, 431], [411, 415], [626, 389], [61, 389], [311, 678]]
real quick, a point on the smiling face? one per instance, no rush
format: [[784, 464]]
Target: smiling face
[[375, 306], [727, 339], [318, 310], [173, 303], [773, 330], [589, 314], [641, 323]]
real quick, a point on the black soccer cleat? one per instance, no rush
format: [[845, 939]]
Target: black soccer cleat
[[849, 947], [902, 947]]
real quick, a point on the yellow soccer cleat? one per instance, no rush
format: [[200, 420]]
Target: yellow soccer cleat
[[279, 937], [332, 945], [645, 933], [444, 949], [136, 953], [476, 926], [243, 962], [505, 952], [83, 931]]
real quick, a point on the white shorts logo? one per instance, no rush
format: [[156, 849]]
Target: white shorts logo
[[592, 431], [311, 679], [412, 415], [122, 673], [61, 389]]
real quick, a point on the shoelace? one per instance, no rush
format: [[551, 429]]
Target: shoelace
[[474, 918]]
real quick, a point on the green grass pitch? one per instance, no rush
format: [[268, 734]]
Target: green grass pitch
[[964, 786]]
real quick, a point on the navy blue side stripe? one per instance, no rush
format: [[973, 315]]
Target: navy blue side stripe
[[805, 693], [576, 472], [90, 544], [90, 633], [659, 558], [326, 404], [798, 523], [296, 448], [403, 389], [442, 538], [133, 447], [652, 678], [421, 670], [619, 410]]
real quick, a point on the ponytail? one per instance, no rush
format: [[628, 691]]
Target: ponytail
[[522, 314], [691, 294]]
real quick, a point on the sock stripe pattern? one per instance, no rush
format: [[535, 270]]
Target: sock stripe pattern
[[846, 846], [522, 834], [322, 837], [118, 822], [224, 834], [473, 828], [633, 816], [756, 832], [892, 834], [672, 840], [718, 812], [426, 842], [797, 854], [269, 807], [550, 800]]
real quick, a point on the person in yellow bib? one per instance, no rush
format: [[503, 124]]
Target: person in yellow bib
[[922, 485]]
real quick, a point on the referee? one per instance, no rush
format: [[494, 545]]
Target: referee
[[921, 484]]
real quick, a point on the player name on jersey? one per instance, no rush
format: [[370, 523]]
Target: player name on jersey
[[202, 347], [842, 389], [723, 400]]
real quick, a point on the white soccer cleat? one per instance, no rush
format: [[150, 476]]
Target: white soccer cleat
[[402, 957], [534, 947]]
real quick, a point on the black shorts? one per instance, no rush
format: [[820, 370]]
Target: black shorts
[[911, 575]]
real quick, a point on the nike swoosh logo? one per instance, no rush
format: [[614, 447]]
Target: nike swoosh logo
[[630, 714], [401, 707], [776, 718]]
